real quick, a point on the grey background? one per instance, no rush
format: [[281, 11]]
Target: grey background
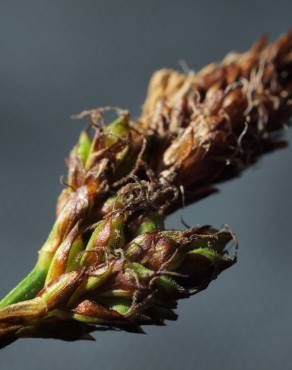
[[60, 57]]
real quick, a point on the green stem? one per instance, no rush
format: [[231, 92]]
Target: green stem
[[32, 283], [27, 288]]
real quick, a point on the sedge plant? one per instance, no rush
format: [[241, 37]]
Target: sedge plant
[[109, 262]]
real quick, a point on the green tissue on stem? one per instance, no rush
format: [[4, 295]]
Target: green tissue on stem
[[27, 288]]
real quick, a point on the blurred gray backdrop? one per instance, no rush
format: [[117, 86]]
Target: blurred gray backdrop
[[60, 57]]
